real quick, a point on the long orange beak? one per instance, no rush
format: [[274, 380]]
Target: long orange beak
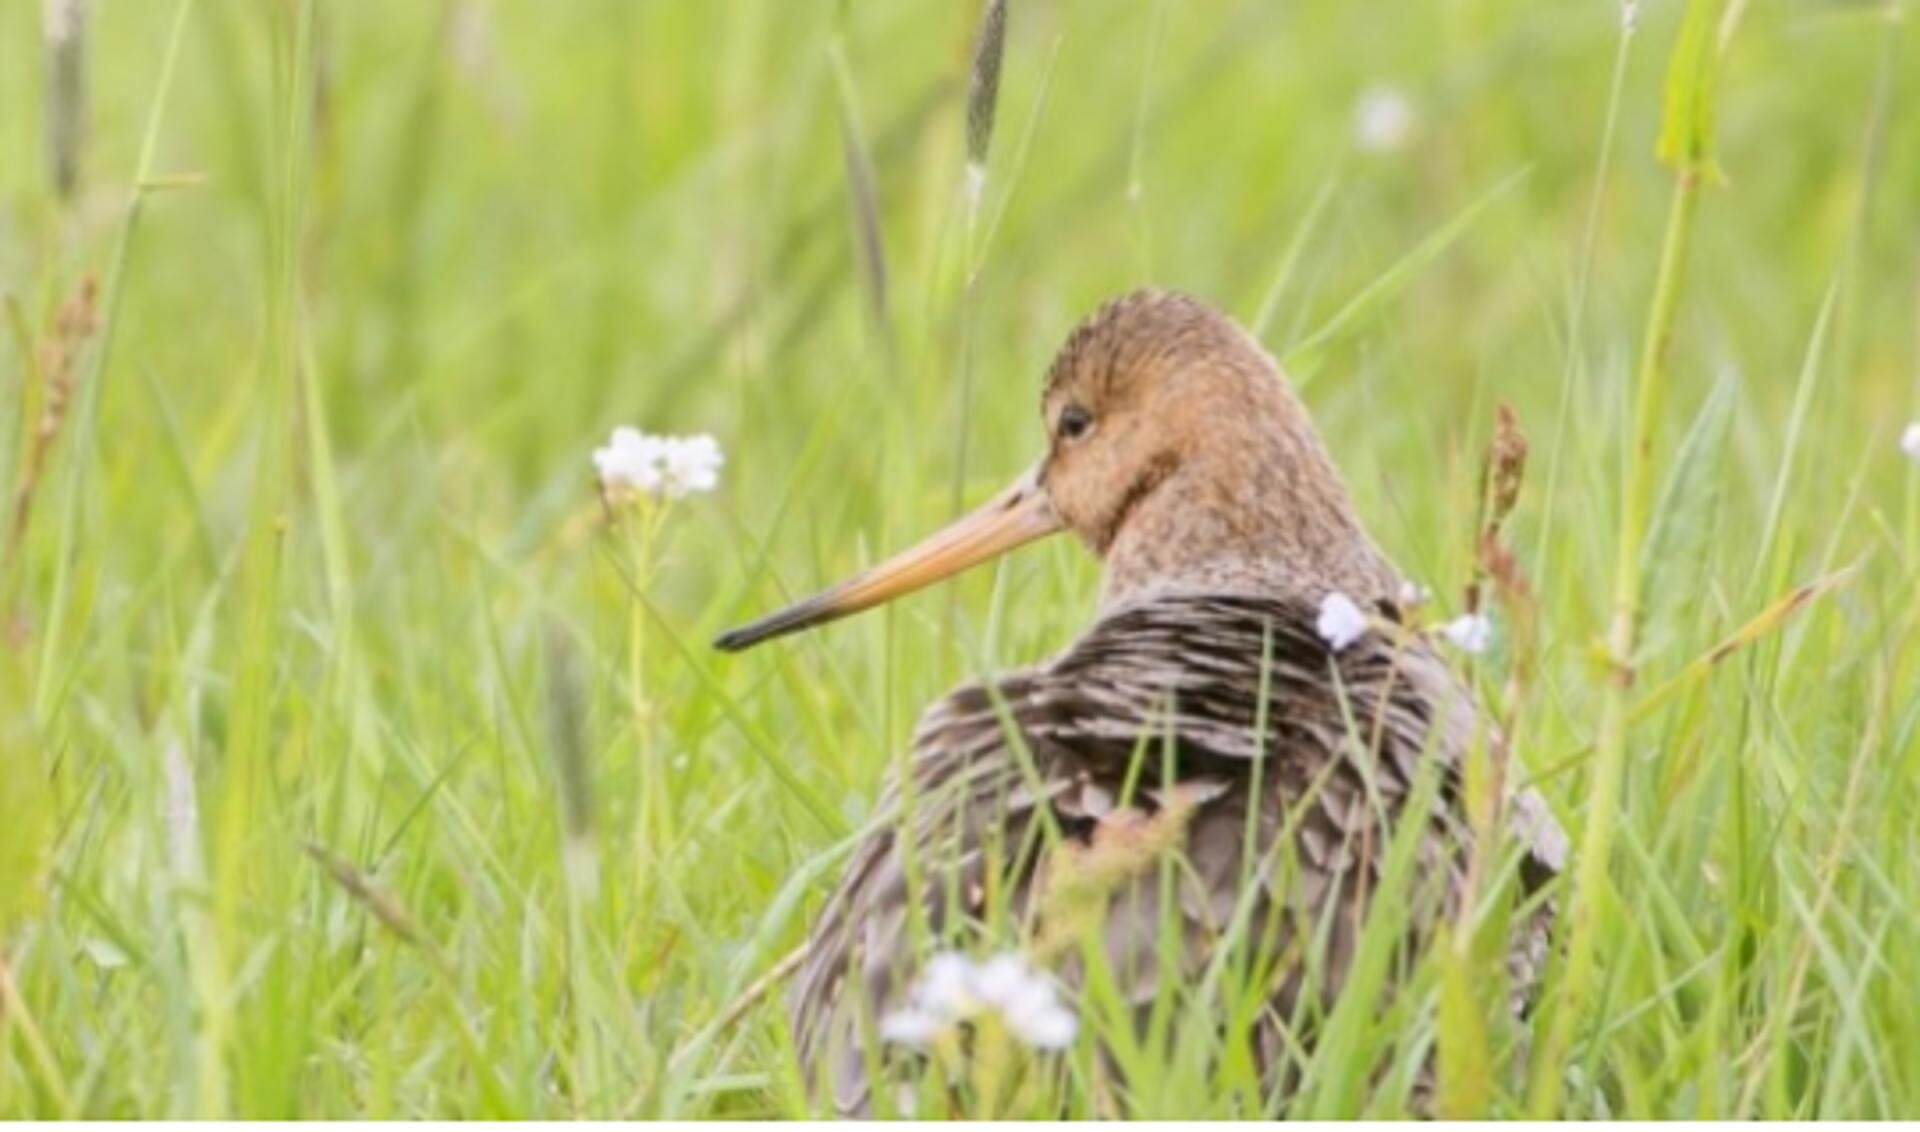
[[1015, 517]]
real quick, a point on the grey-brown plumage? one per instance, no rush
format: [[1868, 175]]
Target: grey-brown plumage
[[1203, 698]]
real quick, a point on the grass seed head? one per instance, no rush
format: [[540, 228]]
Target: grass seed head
[[983, 83], [57, 363], [65, 28], [367, 893]]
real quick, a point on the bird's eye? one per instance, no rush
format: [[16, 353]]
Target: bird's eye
[[1075, 422]]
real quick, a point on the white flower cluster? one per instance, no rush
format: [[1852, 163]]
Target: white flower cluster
[[955, 988], [668, 467], [1910, 442], [1341, 622], [1382, 119], [1471, 633]]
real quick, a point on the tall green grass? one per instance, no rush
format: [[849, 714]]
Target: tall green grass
[[321, 672]]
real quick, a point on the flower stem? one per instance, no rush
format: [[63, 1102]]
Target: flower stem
[[642, 539]]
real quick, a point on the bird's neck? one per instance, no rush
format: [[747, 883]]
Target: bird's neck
[[1276, 522]]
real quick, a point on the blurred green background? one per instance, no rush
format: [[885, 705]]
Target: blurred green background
[[314, 551]]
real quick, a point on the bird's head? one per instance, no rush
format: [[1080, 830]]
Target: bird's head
[[1176, 452]]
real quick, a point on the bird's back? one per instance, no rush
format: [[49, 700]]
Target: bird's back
[[1041, 805]]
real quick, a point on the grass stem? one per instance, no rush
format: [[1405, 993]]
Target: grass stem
[[1690, 95]]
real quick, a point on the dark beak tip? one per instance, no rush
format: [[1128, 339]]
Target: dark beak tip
[[733, 640]]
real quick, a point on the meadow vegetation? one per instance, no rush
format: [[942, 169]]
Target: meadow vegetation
[[357, 761]]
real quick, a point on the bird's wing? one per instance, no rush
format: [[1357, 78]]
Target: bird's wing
[[1006, 774]]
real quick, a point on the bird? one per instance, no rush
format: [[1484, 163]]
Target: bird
[[1203, 702]]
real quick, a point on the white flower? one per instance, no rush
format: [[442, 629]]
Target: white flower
[[1414, 594], [1910, 442], [1001, 980], [1341, 622], [690, 464], [630, 460], [660, 466], [1037, 1017], [946, 987], [1049, 1026], [912, 1027], [1382, 119], [1470, 633], [954, 989]]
